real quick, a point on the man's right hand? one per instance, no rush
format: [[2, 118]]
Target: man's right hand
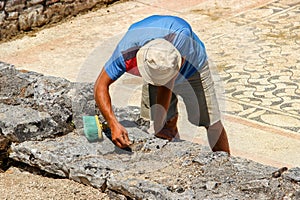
[[119, 135]]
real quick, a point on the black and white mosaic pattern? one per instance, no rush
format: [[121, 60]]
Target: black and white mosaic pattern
[[259, 64]]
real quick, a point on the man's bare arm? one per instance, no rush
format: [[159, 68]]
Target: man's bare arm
[[101, 92]]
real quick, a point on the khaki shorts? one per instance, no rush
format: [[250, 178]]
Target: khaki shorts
[[198, 95]]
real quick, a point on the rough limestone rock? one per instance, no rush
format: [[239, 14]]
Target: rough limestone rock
[[157, 169], [33, 106], [40, 125], [20, 124]]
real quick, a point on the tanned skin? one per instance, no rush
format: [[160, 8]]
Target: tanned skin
[[119, 134], [164, 94], [217, 137]]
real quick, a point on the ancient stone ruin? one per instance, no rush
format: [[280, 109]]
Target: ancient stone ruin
[[23, 15], [40, 128]]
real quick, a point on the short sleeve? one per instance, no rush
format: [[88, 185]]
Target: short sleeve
[[115, 66], [184, 42]]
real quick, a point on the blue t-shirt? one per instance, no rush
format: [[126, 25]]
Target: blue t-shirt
[[174, 29]]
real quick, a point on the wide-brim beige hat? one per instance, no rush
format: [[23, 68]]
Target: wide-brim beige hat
[[158, 61]]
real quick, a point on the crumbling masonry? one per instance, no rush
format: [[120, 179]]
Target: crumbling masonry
[[23, 15]]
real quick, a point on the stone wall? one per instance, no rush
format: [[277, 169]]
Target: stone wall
[[24, 15]]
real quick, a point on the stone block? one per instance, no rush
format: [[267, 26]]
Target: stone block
[[34, 2], [2, 16], [2, 4], [41, 96], [32, 17], [53, 13], [48, 2], [9, 28], [13, 83], [68, 1], [19, 124], [15, 5], [83, 5], [13, 16], [69, 10], [156, 173]]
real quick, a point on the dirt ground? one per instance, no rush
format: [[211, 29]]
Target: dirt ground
[[16, 184]]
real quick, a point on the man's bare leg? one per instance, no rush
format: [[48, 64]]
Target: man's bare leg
[[217, 137]]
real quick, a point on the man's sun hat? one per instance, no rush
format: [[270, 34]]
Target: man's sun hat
[[158, 61]]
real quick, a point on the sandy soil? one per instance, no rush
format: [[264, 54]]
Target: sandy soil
[[15, 184]]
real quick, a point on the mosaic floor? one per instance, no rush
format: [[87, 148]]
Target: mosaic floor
[[259, 64]]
